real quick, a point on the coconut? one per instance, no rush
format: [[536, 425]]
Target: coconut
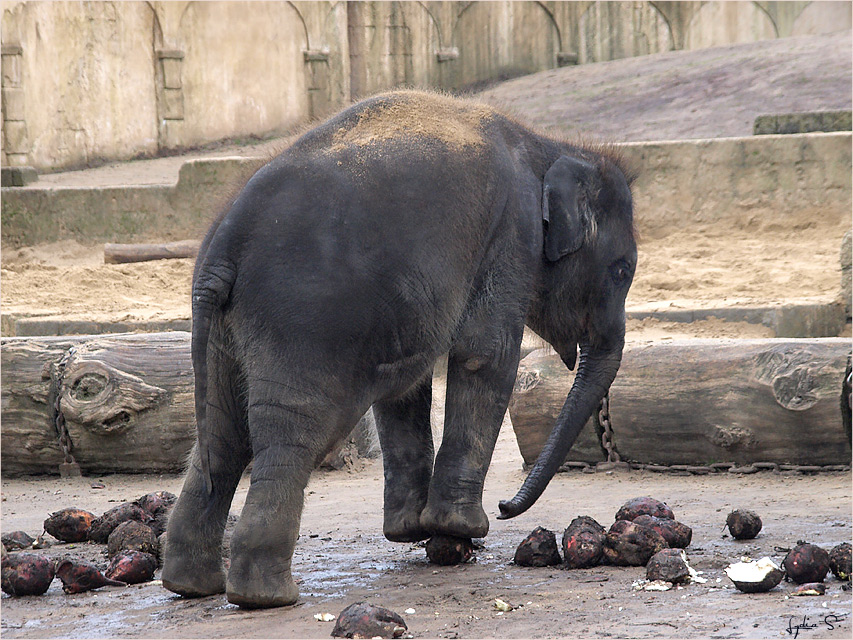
[[583, 543], [539, 549], [806, 563], [103, 526], [26, 574], [645, 505], [629, 544], [449, 550], [132, 567], [743, 524], [755, 576], [669, 565], [840, 561], [69, 525], [676, 534]]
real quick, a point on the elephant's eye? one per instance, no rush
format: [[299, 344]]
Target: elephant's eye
[[620, 271]]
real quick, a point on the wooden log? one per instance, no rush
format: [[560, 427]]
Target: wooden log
[[698, 402], [123, 253], [126, 401]]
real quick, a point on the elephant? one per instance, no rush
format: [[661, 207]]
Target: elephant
[[409, 226]]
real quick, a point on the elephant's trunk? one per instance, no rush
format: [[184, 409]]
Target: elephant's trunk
[[596, 371]]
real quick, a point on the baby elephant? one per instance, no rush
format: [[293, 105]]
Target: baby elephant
[[409, 226]]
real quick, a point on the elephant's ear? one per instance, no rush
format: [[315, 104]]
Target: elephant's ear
[[564, 232]]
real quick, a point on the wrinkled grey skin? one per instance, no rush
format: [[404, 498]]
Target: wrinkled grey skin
[[407, 227]]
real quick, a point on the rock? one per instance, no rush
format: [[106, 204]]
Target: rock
[[363, 620], [538, 549], [449, 550], [132, 535], [631, 544], [17, 540], [583, 543], [69, 525], [743, 524], [132, 567], [26, 574], [840, 561], [806, 563], [669, 565], [78, 576], [676, 534], [645, 505], [755, 577], [103, 526]]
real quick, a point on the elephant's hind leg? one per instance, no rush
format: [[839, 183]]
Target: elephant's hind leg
[[192, 564], [405, 434], [290, 431]]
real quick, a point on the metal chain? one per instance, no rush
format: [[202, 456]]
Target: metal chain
[[605, 430], [57, 374]]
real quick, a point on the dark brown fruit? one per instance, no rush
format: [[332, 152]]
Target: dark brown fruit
[[840, 561], [539, 549], [806, 563], [103, 526], [743, 524], [583, 543], [448, 550], [646, 505], [631, 544], [810, 589], [78, 576], [676, 534], [159, 504], [17, 540], [132, 567], [69, 525], [362, 620], [26, 574], [132, 536], [668, 565], [755, 576]]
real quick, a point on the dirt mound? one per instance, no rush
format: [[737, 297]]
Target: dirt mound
[[710, 93]]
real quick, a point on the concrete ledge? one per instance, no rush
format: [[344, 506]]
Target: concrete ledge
[[787, 321], [17, 176], [806, 122], [59, 327], [36, 214], [746, 182]]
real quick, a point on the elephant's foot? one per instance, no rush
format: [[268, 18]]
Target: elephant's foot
[[460, 521], [404, 526], [253, 587], [192, 577]]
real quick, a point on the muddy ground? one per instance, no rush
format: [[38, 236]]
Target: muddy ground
[[342, 557]]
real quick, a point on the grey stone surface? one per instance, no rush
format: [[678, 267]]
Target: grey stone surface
[[808, 122]]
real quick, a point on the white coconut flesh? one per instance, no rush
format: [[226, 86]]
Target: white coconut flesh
[[751, 571]]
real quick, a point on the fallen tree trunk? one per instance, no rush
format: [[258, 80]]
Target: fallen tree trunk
[[123, 404], [123, 253], [696, 402]]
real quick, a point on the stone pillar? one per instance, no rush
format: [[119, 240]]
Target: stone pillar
[[170, 98], [317, 76], [16, 144]]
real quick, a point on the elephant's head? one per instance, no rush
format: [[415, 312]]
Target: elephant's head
[[589, 257]]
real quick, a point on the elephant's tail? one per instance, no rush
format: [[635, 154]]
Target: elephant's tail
[[212, 285]]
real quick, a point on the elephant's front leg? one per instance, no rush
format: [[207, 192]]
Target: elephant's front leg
[[405, 434], [479, 384]]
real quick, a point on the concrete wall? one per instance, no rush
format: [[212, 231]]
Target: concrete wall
[[86, 81]]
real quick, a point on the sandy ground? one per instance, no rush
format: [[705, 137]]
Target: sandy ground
[[343, 558]]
